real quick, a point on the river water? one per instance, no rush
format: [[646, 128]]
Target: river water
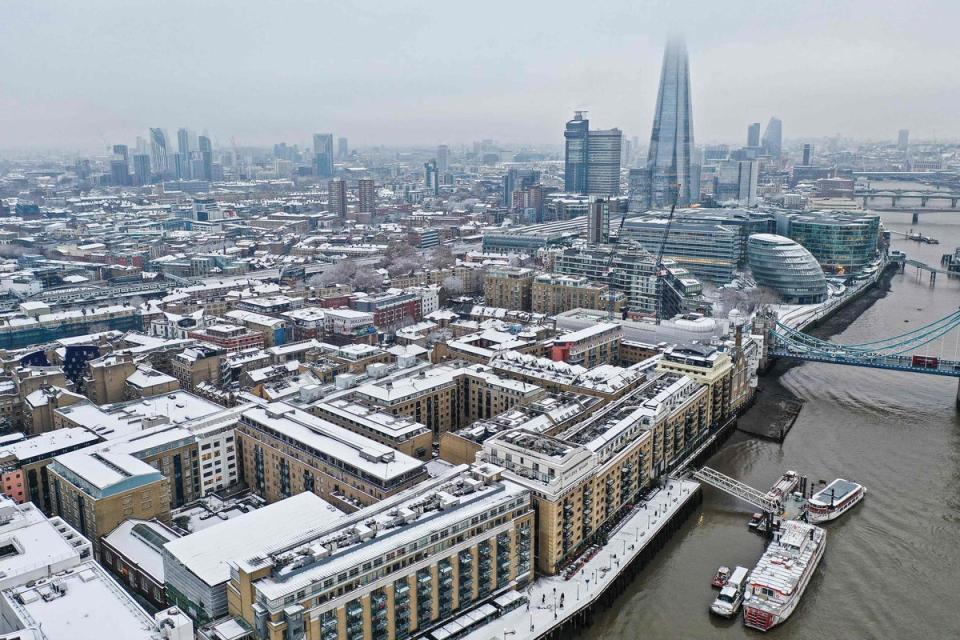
[[892, 565]]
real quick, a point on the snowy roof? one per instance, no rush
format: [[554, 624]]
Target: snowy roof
[[141, 542], [206, 552], [145, 377], [87, 603], [41, 543], [123, 418], [104, 473], [350, 449], [50, 442]]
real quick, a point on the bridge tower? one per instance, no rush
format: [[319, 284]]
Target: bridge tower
[[764, 322]]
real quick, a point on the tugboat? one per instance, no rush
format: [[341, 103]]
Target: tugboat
[[834, 500], [782, 574], [721, 578]]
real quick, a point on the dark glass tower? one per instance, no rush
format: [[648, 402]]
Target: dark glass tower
[[670, 160], [577, 154]]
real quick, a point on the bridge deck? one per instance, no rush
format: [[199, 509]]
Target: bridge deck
[[895, 363]]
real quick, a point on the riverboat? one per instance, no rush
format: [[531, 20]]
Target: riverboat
[[833, 500], [782, 574]]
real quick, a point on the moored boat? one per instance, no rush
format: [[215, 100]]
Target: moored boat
[[720, 578], [834, 500], [782, 574]]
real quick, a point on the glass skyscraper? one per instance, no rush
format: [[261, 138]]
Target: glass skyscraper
[[670, 172], [773, 138], [592, 158]]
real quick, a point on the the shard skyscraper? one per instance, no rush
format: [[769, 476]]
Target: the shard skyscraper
[[670, 163]]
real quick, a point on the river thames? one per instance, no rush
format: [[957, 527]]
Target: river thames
[[892, 564]]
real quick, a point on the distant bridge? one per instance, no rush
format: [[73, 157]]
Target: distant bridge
[[912, 201]]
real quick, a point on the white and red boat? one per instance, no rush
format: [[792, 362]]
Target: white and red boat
[[782, 574], [834, 500]]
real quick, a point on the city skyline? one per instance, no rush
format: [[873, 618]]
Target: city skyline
[[821, 79]]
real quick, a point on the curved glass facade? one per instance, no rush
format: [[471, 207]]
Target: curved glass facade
[[785, 266]]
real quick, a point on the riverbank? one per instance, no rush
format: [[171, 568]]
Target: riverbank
[[776, 408]]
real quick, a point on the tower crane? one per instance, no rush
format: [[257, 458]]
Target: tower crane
[[659, 269]]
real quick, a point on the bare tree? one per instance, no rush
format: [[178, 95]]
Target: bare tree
[[12, 251], [367, 280], [340, 273], [452, 286], [440, 257], [405, 265]]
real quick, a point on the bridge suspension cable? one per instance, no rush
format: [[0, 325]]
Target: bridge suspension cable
[[908, 340]]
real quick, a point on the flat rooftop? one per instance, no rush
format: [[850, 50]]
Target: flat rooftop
[[206, 552]]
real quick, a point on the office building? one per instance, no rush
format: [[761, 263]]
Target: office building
[[787, 268], [772, 142], [842, 242], [598, 221], [343, 151], [366, 195], [630, 269], [396, 569], [707, 249], [509, 287], [323, 155], [753, 135], [443, 158], [205, 149], [431, 177], [903, 139], [141, 169], [590, 347], [736, 181], [158, 151], [120, 165], [807, 158], [337, 197], [183, 142], [592, 158], [517, 180], [670, 174], [230, 337]]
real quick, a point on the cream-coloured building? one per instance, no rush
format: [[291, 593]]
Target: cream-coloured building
[[395, 569], [509, 287], [585, 477], [554, 293]]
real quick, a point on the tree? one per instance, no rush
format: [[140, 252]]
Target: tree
[[404, 265], [367, 280], [452, 286], [440, 257], [340, 273], [396, 251]]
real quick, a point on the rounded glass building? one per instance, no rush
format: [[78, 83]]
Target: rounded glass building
[[785, 266]]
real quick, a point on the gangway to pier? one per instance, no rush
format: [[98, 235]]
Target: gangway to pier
[[763, 501]]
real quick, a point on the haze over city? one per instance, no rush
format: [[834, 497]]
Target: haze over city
[[79, 76]]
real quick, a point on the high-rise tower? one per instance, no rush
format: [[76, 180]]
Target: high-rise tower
[[158, 150], [592, 158], [671, 173], [773, 138]]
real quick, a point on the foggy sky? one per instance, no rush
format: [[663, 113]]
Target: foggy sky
[[82, 75]]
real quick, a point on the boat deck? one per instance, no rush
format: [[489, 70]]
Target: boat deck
[[840, 488]]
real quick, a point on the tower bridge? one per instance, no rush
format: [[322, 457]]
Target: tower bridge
[[901, 352]]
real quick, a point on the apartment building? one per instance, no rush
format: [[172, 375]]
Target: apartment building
[[588, 476], [199, 364], [590, 347], [286, 451], [553, 293], [95, 491], [395, 569], [447, 397], [709, 366], [509, 287], [604, 381], [231, 337], [397, 432]]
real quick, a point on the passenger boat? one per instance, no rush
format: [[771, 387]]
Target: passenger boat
[[782, 574], [721, 578], [834, 500]]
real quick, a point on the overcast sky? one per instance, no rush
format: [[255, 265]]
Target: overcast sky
[[81, 75]]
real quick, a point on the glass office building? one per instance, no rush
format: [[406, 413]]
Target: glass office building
[[785, 266], [841, 241]]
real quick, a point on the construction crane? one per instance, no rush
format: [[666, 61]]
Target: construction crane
[[659, 269]]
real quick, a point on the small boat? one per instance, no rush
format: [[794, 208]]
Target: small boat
[[721, 578], [782, 574], [730, 597], [784, 486], [755, 521], [834, 500]]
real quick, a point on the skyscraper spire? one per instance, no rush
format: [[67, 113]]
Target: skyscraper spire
[[670, 160]]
